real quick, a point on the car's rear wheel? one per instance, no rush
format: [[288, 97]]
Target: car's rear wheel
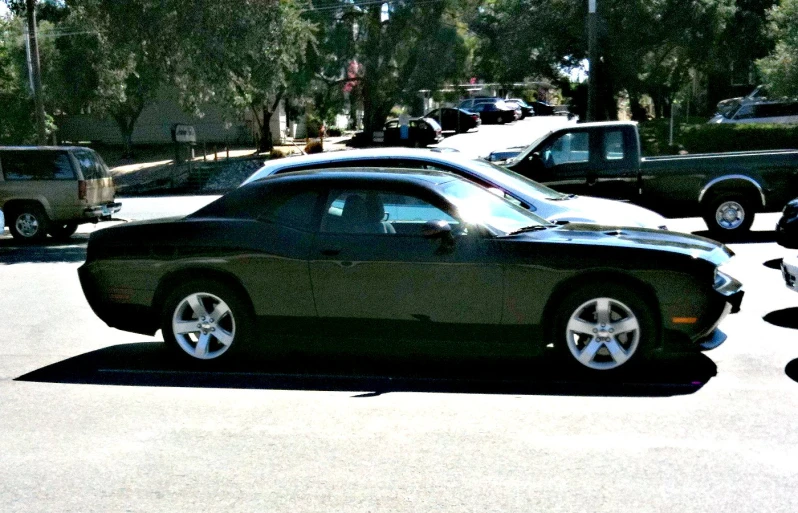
[[604, 327], [206, 320], [729, 216], [62, 231], [28, 223]]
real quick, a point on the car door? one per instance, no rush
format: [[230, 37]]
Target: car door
[[376, 276], [563, 162], [613, 171]]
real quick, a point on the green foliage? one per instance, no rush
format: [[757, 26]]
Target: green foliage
[[17, 123], [780, 68], [704, 137]]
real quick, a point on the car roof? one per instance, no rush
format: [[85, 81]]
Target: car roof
[[273, 166], [371, 174]]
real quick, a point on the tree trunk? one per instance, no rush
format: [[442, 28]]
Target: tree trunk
[[266, 143], [126, 124]]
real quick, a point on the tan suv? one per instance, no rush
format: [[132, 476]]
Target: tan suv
[[53, 189]]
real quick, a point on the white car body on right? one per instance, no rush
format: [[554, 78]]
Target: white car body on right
[[789, 271]]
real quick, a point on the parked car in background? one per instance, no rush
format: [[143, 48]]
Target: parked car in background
[[458, 120], [772, 111], [542, 108], [495, 112], [519, 112], [53, 190], [399, 263], [421, 132], [469, 103], [603, 159], [729, 104], [543, 201], [526, 109], [787, 225]]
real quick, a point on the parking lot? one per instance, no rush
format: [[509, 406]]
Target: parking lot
[[95, 419]]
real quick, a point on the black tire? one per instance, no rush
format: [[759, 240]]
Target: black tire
[[724, 227], [236, 323], [62, 231], [622, 300], [28, 223]]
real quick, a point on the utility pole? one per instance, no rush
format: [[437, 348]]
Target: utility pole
[[592, 52], [36, 72]]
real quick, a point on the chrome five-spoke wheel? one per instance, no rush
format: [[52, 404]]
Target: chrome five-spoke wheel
[[203, 325], [603, 333]]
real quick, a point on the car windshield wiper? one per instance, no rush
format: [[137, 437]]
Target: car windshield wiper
[[531, 228]]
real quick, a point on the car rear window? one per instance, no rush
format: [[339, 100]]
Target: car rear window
[[91, 165], [36, 165]]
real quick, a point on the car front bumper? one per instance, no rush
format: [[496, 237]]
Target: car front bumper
[[789, 272]]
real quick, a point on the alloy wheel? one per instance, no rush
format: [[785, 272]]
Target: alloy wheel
[[730, 215], [203, 326], [603, 333], [27, 225]]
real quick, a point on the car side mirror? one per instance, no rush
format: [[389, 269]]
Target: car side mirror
[[535, 155], [436, 229]]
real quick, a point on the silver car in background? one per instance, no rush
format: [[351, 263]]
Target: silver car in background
[[545, 202]]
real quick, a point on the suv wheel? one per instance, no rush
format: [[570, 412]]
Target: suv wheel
[[729, 216], [62, 231], [28, 223]]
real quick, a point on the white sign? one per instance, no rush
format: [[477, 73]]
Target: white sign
[[185, 134]]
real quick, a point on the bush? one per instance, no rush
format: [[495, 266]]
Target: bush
[[276, 154], [710, 138], [314, 147], [334, 132]]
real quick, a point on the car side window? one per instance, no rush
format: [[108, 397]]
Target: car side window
[[36, 165], [91, 168], [613, 145], [378, 212], [569, 148], [290, 208]]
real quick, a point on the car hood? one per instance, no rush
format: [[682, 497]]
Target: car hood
[[640, 238], [588, 209]]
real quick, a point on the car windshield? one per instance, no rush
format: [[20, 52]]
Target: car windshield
[[477, 205], [512, 181]]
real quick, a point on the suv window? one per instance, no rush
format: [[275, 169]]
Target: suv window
[[36, 165], [91, 165]]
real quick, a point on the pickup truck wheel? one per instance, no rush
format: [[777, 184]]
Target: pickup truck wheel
[[604, 327], [729, 216], [28, 223], [62, 231]]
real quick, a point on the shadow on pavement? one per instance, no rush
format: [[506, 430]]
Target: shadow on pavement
[[746, 238], [151, 364], [49, 251], [791, 370], [774, 264], [786, 318]]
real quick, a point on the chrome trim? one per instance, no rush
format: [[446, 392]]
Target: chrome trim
[[731, 177]]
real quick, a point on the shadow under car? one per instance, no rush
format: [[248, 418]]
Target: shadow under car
[[152, 364]]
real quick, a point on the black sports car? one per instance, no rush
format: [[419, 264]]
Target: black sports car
[[787, 226], [409, 262]]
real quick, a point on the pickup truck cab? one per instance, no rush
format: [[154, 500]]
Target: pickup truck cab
[[603, 159]]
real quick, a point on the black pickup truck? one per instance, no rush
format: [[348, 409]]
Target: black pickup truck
[[603, 159]]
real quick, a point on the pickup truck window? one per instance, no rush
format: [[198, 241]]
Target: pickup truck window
[[569, 148], [613, 145]]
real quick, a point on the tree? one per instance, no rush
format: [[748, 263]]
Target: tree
[[17, 125], [780, 68], [244, 54]]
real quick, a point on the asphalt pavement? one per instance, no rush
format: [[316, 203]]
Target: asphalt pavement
[[93, 419]]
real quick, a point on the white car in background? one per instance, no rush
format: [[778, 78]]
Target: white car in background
[[545, 202]]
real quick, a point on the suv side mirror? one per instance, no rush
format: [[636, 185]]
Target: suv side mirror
[[436, 229]]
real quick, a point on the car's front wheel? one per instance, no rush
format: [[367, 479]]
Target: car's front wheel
[[206, 320], [28, 223], [729, 216], [604, 327]]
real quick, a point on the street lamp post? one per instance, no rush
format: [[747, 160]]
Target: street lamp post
[[592, 50]]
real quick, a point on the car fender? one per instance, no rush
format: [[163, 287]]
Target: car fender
[[41, 200], [730, 178]]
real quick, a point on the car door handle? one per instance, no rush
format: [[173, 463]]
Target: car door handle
[[331, 251]]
